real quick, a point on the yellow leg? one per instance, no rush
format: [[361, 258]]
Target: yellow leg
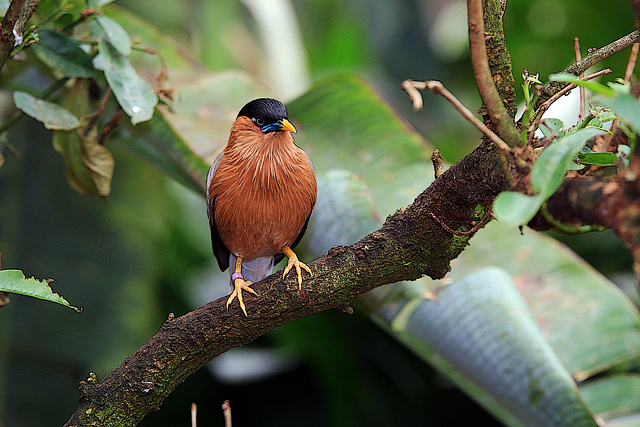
[[294, 262], [239, 284]]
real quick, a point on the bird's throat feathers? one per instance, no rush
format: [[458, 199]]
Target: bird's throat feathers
[[263, 154]]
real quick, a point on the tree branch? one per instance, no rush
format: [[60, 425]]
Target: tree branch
[[13, 22], [581, 66], [409, 245], [486, 77]]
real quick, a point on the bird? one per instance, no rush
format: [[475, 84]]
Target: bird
[[260, 192]]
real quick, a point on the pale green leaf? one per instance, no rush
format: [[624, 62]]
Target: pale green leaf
[[51, 115], [116, 35], [136, 97], [14, 281], [551, 166], [516, 208]]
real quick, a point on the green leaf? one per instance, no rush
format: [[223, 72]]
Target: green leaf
[[590, 323], [136, 97], [516, 208], [593, 86], [613, 396], [600, 159], [551, 166], [14, 281], [481, 333], [551, 127], [62, 54], [51, 115], [117, 36]]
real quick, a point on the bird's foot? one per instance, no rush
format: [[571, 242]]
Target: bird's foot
[[239, 284], [295, 262]]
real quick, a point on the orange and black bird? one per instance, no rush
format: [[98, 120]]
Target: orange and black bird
[[260, 193]]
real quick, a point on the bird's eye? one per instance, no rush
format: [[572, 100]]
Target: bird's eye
[[259, 121]]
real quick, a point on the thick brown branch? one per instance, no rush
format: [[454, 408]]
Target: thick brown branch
[[611, 202], [409, 245], [7, 38]]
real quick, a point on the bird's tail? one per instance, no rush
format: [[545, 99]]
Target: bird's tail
[[254, 270]]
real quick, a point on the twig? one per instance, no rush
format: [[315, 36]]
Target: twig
[[593, 58], [435, 86], [631, 65], [484, 80], [226, 411], [438, 167], [194, 415], [576, 48], [545, 105], [473, 230]]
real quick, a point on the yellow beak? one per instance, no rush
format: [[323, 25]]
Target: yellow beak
[[286, 125]]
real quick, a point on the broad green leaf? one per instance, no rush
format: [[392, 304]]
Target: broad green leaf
[[551, 166], [117, 36], [516, 208], [593, 86], [344, 124], [600, 159], [614, 396], [51, 115], [590, 323], [480, 333], [134, 94], [14, 281], [62, 54]]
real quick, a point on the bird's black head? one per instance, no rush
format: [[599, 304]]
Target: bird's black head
[[270, 115]]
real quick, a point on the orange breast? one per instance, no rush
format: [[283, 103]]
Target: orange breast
[[264, 192]]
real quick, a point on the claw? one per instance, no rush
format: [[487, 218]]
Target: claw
[[295, 262], [240, 285]]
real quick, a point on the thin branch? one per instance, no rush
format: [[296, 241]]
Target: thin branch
[[631, 64], [545, 106], [226, 411], [438, 166], [412, 87], [496, 109], [194, 415], [576, 48], [593, 58]]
